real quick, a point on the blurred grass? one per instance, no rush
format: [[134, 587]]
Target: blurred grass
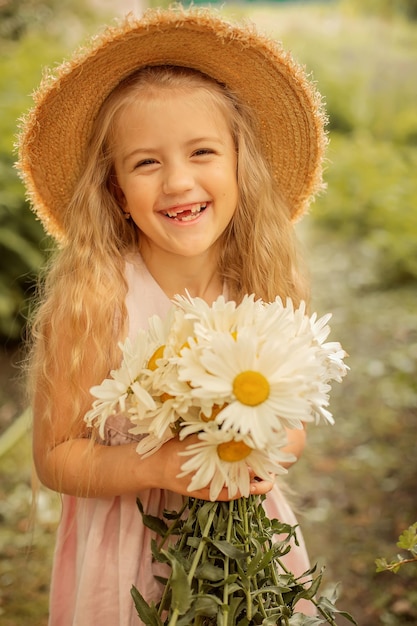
[[363, 65], [355, 484], [26, 543]]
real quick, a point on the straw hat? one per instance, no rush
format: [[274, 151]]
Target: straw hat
[[54, 135]]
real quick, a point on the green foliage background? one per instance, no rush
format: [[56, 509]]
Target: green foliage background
[[33, 34], [365, 68]]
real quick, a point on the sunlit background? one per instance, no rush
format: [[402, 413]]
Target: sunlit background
[[355, 487]]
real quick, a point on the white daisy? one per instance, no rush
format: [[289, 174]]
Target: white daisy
[[278, 321], [113, 393], [331, 353], [320, 327], [222, 460], [265, 385], [150, 443], [181, 331], [222, 316], [167, 411], [199, 419], [237, 375]]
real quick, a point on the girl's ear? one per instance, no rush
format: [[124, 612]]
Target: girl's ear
[[116, 191]]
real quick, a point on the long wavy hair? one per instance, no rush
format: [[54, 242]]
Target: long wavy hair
[[83, 291]]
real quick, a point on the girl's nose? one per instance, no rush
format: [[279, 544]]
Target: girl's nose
[[177, 179]]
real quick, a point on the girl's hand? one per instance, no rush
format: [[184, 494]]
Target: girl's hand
[[169, 463], [257, 487]]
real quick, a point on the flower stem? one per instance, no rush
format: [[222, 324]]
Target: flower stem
[[227, 563], [169, 532], [329, 619], [196, 560], [272, 566], [173, 526], [244, 515], [202, 544]]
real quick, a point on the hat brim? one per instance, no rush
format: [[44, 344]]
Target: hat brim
[[288, 108]]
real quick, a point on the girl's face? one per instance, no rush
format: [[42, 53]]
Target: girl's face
[[175, 163]]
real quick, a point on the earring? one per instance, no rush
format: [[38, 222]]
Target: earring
[[126, 216]]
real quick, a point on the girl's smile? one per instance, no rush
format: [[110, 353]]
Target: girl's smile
[[186, 213], [175, 162]]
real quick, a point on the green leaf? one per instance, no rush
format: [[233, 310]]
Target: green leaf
[[236, 604], [171, 515], [207, 605], [150, 521], [270, 589], [279, 528], [147, 613], [235, 585], [209, 571], [329, 608], [187, 619], [228, 549], [193, 542], [255, 559], [272, 620], [408, 539], [299, 619], [157, 554], [381, 565], [181, 590], [310, 592], [263, 559], [204, 511]]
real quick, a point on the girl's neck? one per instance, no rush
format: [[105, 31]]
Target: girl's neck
[[197, 275]]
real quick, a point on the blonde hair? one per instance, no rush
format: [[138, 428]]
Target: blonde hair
[[84, 290]]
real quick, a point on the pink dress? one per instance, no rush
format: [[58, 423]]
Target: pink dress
[[102, 547]]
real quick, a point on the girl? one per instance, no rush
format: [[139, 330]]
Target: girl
[[172, 155]]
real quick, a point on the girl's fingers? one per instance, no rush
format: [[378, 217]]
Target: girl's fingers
[[260, 487], [257, 487]]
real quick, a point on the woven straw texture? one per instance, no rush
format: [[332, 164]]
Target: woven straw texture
[[54, 135]]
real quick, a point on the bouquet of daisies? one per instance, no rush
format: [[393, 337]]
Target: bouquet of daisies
[[238, 377]]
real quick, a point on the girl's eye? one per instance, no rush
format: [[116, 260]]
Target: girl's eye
[[145, 162], [203, 151]]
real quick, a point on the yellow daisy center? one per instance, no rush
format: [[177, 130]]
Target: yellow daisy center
[[214, 412], [158, 354], [251, 388], [165, 396], [232, 451]]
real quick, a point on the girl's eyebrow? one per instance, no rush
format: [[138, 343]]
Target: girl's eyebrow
[[136, 152], [210, 139]]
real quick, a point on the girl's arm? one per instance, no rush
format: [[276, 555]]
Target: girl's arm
[[84, 468], [76, 465], [68, 461], [296, 443]]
